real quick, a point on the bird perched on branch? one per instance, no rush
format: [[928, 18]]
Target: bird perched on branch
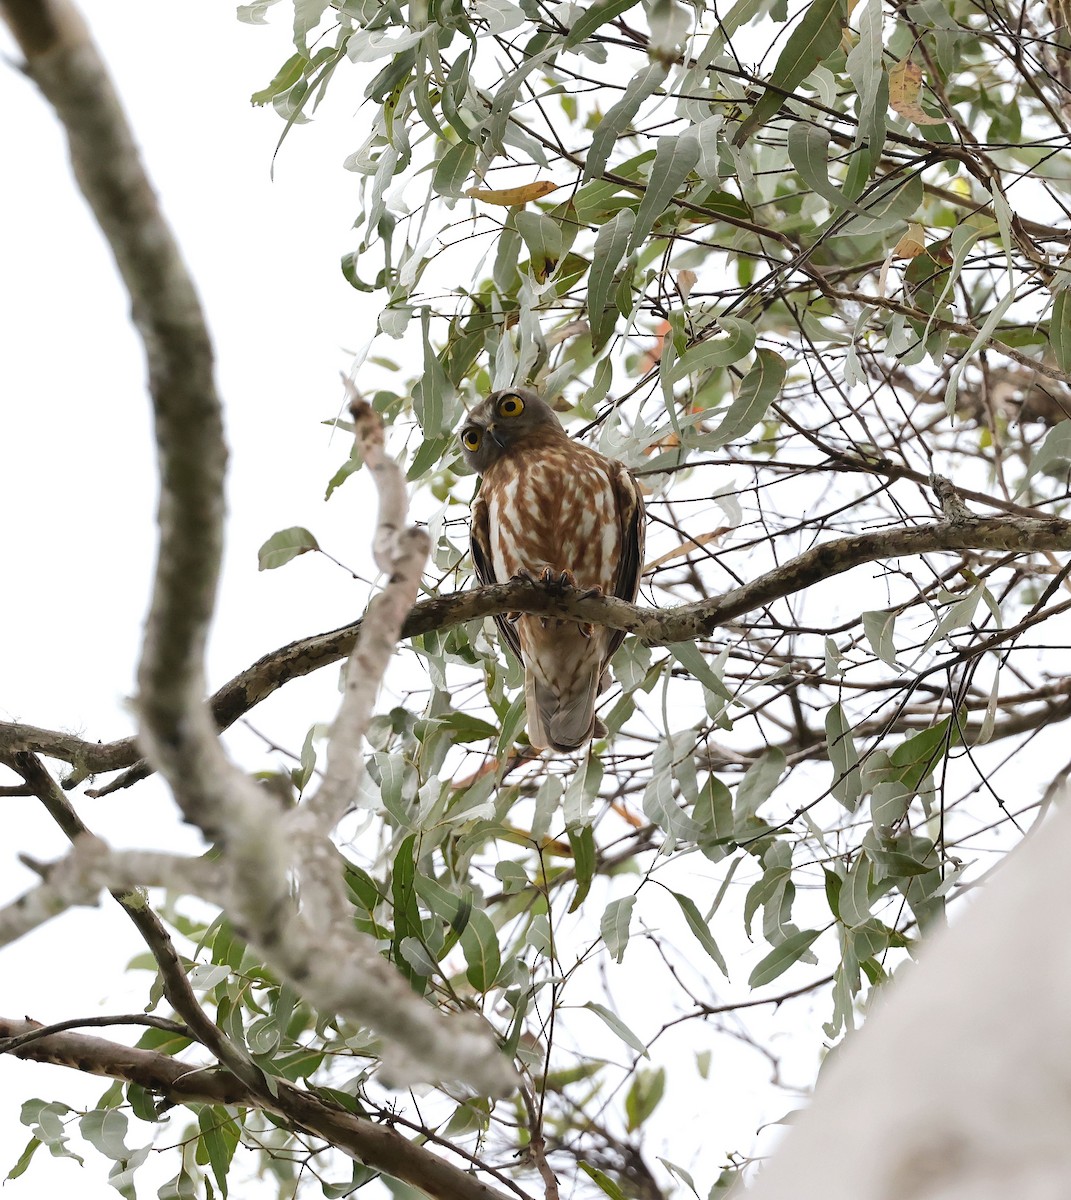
[[550, 509]]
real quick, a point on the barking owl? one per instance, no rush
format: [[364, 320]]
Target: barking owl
[[551, 508]]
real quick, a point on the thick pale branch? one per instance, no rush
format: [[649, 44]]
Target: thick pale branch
[[402, 554], [65, 64], [374, 1145], [336, 968]]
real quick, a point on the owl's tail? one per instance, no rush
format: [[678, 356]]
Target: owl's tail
[[564, 722]]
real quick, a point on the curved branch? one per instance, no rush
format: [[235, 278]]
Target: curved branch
[[655, 626], [374, 1145]]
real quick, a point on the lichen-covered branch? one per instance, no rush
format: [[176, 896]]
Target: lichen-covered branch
[[401, 553], [337, 969]]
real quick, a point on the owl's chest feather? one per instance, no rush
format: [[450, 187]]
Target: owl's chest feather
[[556, 511]]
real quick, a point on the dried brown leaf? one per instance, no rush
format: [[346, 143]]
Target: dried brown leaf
[[905, 88], [511, 197]]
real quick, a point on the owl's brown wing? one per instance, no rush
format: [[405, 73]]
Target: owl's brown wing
[[480, 545], [632, 517]]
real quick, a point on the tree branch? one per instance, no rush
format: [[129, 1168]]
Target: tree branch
[[338, 969], [374, 1145], [655, 626]]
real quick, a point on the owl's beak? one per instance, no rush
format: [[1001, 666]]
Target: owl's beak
[[494, 437]]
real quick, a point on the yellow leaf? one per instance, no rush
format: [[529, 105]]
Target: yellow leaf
[[905, 87], [510, 197], [686, 548], [912, 244]]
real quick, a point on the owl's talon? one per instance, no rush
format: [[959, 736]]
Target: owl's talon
[[587, 593], [587, 629], [513, 617], [556, 581]]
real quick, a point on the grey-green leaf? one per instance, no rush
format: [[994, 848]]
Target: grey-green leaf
[[281, 547], [675, 159], [699, 927], [790, 951], [813, 40], [758, 390], [847, 786], [615, 925], [479, 941], [619, 1027], [609, 250], [617, 119]]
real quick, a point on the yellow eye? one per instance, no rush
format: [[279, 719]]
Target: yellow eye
[[510, 406], [470, 439]]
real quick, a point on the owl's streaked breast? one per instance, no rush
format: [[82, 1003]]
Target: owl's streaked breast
[[553, 509]]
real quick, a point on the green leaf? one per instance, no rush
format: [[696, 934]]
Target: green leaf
[[594, 18], [285, 78], [855, 892], [479, 942], [581, 792], [713, 811], [675, 159], [808, 147], [1060, 329], [699, 927], [605, 1183], [219, 1138], [782, 957], [847, 786], [833, 886], [642, 1097], [543, 237], [455, 910], [307, 14], [32, 1146], [366, 898], [813, 40], [695, 662], [432, 389], [644, 83], [610, 243], [467, 728], [758, 390], [281, 547], [614, 926], [660, 804], [45, 1120], [452, 171], [619, 1027], [758, 783], [406, 913], [717, 352], [105, 1130], [878, 627], [1053, 455], [582, 841], [917, 757]]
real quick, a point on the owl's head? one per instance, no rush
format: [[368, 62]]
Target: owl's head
[[500, 422]]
